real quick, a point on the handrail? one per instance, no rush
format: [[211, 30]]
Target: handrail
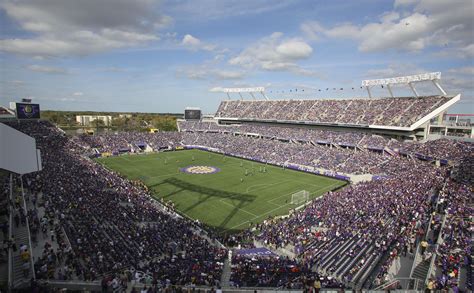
[[417, 255], [433, 257], [399, 280], [430, 269], [10, 232], [33, 274], [387, 284]]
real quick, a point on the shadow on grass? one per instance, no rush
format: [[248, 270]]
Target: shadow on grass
[[206, 193]]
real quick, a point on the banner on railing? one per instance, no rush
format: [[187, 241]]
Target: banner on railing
[[251, 252]]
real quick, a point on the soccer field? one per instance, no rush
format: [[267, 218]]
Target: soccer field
[[232, 194]]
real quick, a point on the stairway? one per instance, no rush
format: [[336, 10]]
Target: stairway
[[226, 271], [21, 237], [421, 270]]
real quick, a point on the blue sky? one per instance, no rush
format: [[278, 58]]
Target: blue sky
[[161, 56]]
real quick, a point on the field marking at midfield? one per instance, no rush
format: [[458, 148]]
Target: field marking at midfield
[[256, 217], [229, 204]]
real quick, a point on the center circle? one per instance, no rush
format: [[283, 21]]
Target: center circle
[[200, 170]]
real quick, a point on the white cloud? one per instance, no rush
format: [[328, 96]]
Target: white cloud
[[228, 74], [78, 94], [399, 3], [273, 53], [428, 23], [216, 89], [460, 80], [294, 50], [16, 82], [47, 69], [394, 70], [81, 27], [189, 40], [312, 29], [463, 70], [204, 72], [194, 43], [468, 50], [212, 9]]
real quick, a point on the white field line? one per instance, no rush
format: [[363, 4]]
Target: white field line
[[229, 204], [268, 212]]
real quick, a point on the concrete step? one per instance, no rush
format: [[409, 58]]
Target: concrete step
[[421, 271], [226, 273]]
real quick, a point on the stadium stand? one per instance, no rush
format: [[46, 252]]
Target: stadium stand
[[386, 111], [440, 149], [94, 225], [121, 228], [348, 254]]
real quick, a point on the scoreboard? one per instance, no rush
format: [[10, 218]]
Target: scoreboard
[[27, 111], [192, 114]]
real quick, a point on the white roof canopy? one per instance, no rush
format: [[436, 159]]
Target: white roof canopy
[[249, 90], [409, 80]]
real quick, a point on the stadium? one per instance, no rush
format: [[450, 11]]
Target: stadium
[[203, 146], [263, 195]]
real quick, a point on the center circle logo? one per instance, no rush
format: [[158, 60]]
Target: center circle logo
[[200, 170]]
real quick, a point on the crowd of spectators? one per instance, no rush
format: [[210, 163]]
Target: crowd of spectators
[[345, 236], [113, 224], [277, 272], [343, 152], [455, 250], [447, 149], [115, 143], [384, 111], [464, 171], [347, 232]]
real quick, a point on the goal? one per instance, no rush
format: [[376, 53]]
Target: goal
[[300, 197]]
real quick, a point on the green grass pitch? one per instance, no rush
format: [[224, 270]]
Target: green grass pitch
[[227, 201]]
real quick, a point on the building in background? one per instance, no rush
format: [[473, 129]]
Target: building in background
[[89, 120]]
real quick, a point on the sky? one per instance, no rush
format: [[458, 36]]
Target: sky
[[162, 56]]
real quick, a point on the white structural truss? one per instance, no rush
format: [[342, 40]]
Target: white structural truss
[[250, 90], [435, 77]]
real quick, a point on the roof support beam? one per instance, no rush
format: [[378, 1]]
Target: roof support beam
[[436, 83], [390, 90], [368, 91], [413, 89]]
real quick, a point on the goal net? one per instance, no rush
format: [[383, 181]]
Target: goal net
[[300, 197]]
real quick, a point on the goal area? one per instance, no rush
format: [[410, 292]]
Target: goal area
[[300, 197]]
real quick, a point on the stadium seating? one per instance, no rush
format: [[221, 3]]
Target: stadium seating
[[386, 111], [440, 149], [112, 224], [349, 237]]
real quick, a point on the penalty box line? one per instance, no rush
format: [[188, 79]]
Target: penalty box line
[[281, 206]]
